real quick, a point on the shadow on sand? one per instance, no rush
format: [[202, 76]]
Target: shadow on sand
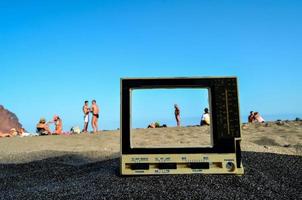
[[267, 175]]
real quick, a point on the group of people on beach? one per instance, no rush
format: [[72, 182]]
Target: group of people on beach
[[42, 127], [205, 118], [255, 117], [95, 111]]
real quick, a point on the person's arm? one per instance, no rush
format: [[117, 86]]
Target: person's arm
[[47, 129], [85, 110]]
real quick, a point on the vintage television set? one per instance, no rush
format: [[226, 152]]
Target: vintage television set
[[222, 157]]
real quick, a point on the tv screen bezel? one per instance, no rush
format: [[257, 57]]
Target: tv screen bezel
[[224, 105]]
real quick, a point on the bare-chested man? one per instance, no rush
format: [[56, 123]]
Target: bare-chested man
[[86, 111], [95, 116]]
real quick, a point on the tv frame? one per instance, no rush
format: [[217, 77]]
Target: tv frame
[[224, 107]]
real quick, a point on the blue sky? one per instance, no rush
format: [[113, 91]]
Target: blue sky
[[55, 54], [157, 105]]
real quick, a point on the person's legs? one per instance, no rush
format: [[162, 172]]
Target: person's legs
[[86, 122], [96, 124], [86, 127], [178, 120], [93, 123]]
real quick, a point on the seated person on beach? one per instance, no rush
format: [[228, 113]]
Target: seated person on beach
[[251, 117], [205, 119], [42, 127], [58, 125], [258, 118]]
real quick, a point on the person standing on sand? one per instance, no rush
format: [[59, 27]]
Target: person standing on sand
[[95, 116], [177, 114], [86, 111]]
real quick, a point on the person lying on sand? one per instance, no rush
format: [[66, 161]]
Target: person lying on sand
[[2, 135], [251, 117], [42, 127], [156, 125], [23, 133], [152, 125], [58, 125], [12, 133], [177, 114], [258, 118], [95, 116], [205, 119]]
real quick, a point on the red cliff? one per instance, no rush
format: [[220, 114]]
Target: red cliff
[[8, 120]]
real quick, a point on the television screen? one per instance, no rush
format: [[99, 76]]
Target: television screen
[[163, 118]]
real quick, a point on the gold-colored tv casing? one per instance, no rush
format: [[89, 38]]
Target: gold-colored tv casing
[[218, 163]]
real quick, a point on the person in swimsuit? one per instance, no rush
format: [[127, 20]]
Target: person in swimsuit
[[95, 116], [86, 111], [58, 125], [177, 114], [42, 127]]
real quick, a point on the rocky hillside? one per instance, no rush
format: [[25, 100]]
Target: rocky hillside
[[8, 120]]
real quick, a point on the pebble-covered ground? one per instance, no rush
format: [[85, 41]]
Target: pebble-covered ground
[[267, 176]]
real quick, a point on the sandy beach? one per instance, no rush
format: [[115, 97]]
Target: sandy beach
[[86, 166], [285, 138]]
